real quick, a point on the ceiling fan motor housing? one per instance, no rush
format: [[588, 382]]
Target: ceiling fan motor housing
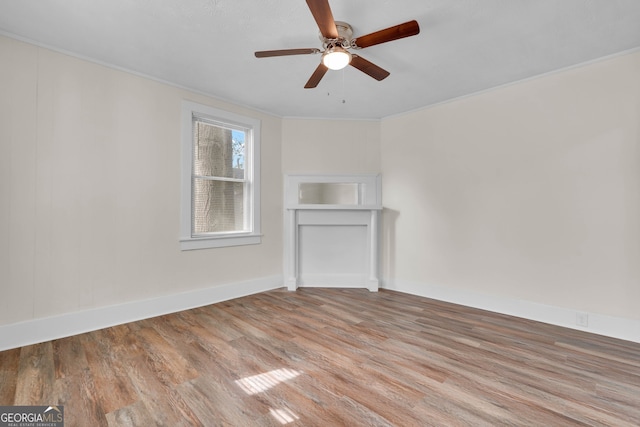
[[345, 35]]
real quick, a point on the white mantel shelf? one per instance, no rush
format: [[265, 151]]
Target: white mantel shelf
[[337, 207], [333, 243]]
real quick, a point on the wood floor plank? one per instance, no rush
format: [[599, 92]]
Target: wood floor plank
[[35, 375], [113, 388], [9, 365], [10, 360], [165, 361], [133, 415], [214, 403], [165, 405], [331, 357], [68, 357], [81, 400]]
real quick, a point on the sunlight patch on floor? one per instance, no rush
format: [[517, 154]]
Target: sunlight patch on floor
[[262, 382], [284, 416]]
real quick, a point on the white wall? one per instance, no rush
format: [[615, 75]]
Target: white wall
[[526, 192], [89, 190], [330, 146], [529, 192]]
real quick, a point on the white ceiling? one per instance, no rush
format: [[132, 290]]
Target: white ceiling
[[465, 46]]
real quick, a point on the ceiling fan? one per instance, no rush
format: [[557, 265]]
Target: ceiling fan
[[337, 39]]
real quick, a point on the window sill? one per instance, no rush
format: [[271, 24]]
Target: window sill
[[206, 242]]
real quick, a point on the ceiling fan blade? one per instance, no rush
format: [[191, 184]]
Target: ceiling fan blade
[[285, 52], [317, 75], [369, 68], [396, 32], [321, 12]]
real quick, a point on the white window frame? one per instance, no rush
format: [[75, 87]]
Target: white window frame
[[252, 236]]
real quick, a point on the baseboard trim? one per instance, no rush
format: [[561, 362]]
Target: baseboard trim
[[332, 281], [611, 326], [45, 329]]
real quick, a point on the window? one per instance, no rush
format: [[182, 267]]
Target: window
[[220, 178]]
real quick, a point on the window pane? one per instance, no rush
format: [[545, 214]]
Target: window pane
[[218, 206], [218, 151]]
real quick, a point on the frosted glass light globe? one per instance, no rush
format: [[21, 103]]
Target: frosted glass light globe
[[336, 58]]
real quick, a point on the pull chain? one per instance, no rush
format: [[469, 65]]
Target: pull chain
[[344, 97]]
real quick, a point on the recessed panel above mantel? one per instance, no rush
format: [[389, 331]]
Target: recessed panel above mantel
[[333, 191]]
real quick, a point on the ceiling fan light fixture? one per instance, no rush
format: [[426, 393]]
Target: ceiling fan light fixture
[[336, 37], [336, 58]]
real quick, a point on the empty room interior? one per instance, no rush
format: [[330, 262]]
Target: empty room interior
[[207, 219]]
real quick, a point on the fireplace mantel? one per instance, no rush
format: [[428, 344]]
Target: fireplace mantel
[[331, 230]]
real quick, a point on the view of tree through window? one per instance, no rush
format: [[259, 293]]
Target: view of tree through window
[[219, 178]]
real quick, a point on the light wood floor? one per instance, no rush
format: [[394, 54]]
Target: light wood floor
[[330, 357]]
